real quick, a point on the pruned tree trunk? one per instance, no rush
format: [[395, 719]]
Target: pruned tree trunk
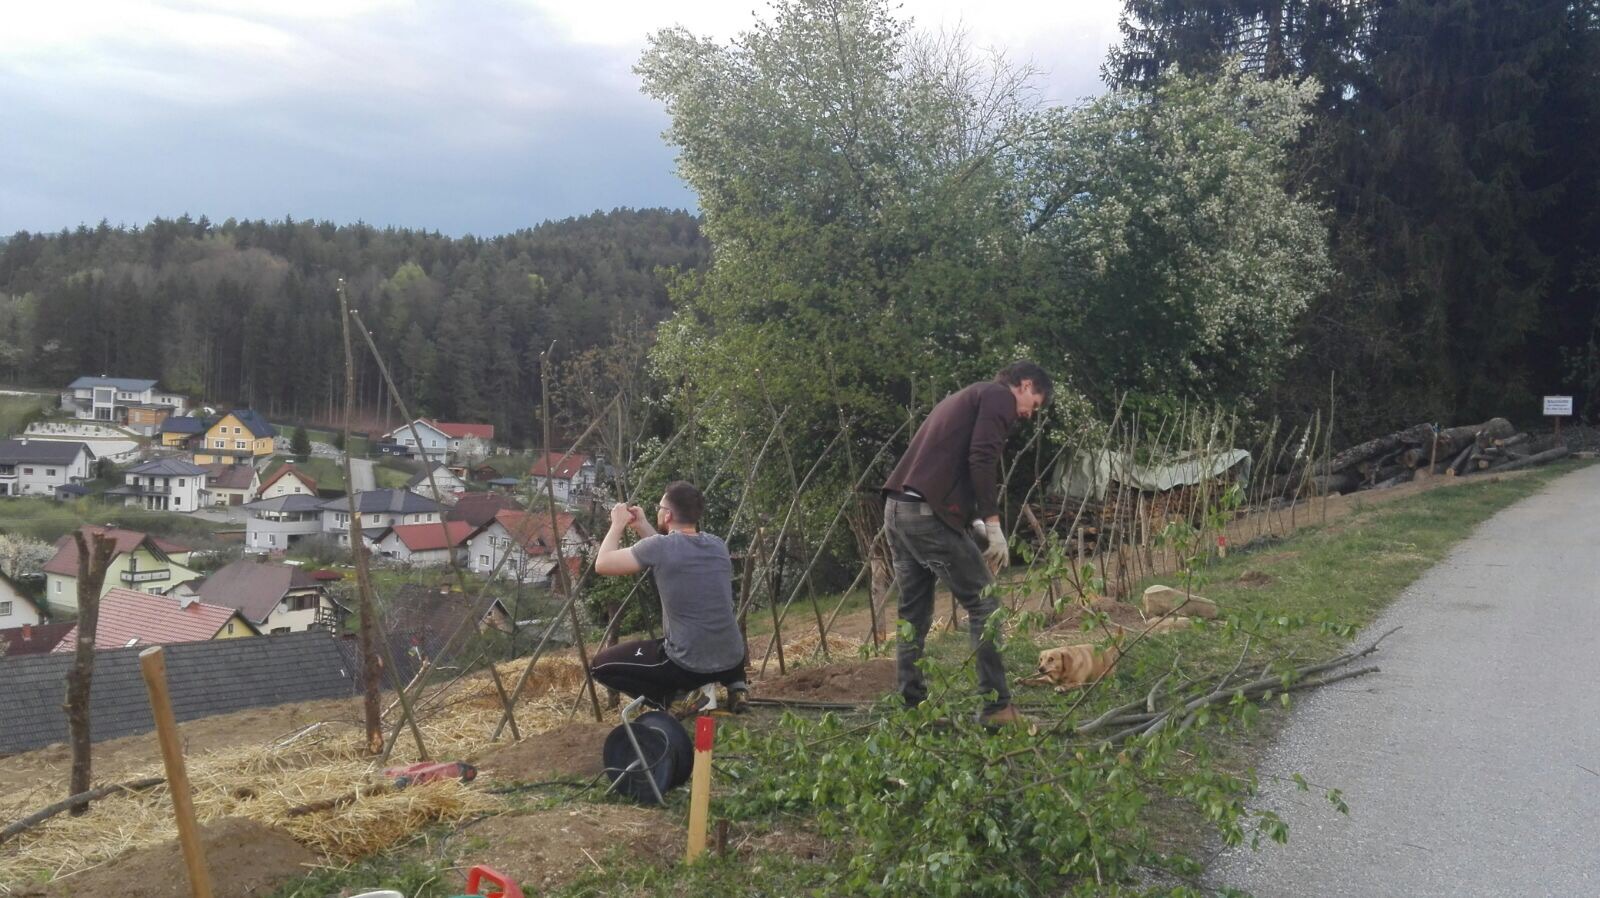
[[92, 563], [372, 713]]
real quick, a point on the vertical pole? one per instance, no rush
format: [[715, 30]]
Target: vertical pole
[[705, 729], [562, 576], [154, 666]]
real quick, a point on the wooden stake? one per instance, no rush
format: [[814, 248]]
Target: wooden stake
[[154, 666], [705, 729]]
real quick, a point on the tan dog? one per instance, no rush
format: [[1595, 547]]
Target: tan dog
[[1070, 666]]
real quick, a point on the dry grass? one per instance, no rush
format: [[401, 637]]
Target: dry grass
[[262, 781]]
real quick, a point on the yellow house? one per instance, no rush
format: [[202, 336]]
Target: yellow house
[[240, 435], [142, 562]]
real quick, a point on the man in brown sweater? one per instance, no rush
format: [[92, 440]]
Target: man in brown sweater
[[940, 502]]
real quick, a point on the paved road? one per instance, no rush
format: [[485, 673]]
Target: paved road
[[1471, 763], [361, 476]]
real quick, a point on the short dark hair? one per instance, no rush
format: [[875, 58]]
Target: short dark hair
[[686, 501], [1015, 373]]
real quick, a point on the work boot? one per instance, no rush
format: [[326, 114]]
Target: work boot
[[1008, 716], [739, 701]]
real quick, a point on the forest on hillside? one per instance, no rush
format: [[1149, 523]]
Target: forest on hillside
[[246, 312]]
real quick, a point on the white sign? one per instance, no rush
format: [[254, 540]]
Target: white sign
[[1558, 406]]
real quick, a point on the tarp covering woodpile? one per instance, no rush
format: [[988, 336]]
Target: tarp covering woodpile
[[1089, 474]]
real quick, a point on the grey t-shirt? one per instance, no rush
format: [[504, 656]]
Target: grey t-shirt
[[695, 578]]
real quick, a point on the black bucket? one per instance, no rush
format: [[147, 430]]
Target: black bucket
[[667, 750]]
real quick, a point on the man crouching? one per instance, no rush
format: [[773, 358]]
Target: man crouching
[[694, 577]]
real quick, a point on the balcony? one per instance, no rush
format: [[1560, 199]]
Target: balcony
[[145, 576]]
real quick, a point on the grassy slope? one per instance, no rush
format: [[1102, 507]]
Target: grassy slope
[[17, 412], [1340, 576]]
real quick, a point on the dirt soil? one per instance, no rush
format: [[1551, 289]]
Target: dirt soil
[[547, 849], [245, 858], [573, 751], [853, 681]]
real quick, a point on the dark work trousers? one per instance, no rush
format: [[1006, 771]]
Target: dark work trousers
[[926, 550], [643, 668]]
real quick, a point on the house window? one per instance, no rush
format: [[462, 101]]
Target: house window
[[230, 628], [277, 630], [27, 470], [50, 472], [238, 444], [177, 501], [182, 481], [221, 443], [272, 539], [482, 559], [302, 603], [5, 609], [58, 587]]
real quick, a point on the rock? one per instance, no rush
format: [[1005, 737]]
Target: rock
[[1159, 600]]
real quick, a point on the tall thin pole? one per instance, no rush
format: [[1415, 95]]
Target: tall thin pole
[[563, 579], [372, 713]]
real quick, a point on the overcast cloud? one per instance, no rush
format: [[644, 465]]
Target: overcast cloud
[[467, 117]]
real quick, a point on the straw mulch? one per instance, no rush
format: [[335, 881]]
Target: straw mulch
[[261, 781]]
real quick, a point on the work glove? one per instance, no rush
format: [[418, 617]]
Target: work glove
[[992, 540]]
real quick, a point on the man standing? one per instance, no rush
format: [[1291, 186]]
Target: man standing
[[694, 576], [941, 500]]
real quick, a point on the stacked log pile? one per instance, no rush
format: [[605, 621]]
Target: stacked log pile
[[1421, 452]]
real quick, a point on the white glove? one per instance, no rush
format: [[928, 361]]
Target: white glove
[[995, 551]]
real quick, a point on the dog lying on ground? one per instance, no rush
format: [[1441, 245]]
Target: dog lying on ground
[[1070, 666]]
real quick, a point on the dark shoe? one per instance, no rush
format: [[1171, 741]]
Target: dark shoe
[[1008, 716]]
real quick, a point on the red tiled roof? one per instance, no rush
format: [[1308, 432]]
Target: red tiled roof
[[565, 470], [139, 618], [307, 479], [531, 530], [423, 537], [458, 431], [65, 561]]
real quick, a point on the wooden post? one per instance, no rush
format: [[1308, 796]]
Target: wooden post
[[705, 729], [366, 636], [154, 666]]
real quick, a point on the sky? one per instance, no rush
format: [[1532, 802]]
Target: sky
[[472, 116]]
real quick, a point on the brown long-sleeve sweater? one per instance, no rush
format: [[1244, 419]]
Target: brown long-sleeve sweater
[[953, 462]]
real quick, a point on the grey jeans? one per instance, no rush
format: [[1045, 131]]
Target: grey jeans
[[925, 549]]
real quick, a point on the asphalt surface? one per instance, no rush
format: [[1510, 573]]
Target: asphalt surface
[[1471, 763], [361, 477]]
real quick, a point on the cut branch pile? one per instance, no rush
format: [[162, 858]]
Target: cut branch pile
[[1420, 452], [1180, 707], [1127, 513]]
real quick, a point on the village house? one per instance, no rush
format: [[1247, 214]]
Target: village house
[[478, 509], [572, 473], [231, 484], [526, 543], [273, 597], [287, 481], [131, 618], [182, 431], [141, 561], [442, 441], [16, 609], [241, 435], [32, 467], [166, 484], [276, 524], [445, 484], [423, 621], [109, 399], [424, 545], [380, 509]]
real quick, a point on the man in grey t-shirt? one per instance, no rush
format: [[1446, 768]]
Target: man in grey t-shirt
[[695, 578]]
